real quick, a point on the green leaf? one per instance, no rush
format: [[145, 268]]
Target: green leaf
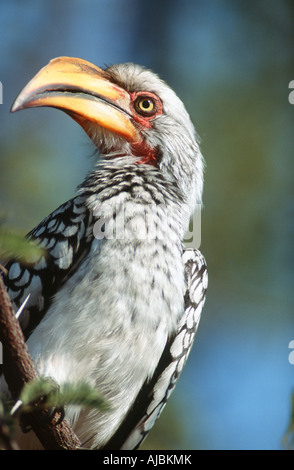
[[14, 245], [35, 390], [49, 394]]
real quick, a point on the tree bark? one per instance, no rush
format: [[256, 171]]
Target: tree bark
[[19, 369]]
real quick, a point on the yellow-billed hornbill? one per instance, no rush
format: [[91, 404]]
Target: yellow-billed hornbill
[[117, 300]]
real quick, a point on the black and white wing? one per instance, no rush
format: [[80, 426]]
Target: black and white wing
[[66, 236], [155, 393]]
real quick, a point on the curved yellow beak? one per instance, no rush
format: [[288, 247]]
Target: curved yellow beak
[[82, 90]]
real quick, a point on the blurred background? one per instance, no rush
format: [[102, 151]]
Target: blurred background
[[231, 63]]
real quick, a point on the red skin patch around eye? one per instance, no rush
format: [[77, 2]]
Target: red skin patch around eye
[[141, 148]]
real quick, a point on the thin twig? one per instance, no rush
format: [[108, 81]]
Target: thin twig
[[3, 269]]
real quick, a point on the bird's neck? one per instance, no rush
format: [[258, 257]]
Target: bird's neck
[[140, 153], [123, 182]]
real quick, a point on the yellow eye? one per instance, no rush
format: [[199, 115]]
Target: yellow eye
[[145, 105]]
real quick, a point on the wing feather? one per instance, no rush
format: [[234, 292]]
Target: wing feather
[[66, 235]]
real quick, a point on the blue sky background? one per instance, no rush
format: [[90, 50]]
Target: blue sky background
[[231, 63]]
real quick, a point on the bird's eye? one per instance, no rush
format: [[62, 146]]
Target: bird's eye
[[145, 105]]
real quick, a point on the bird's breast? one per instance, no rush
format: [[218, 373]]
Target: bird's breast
[[110, 321]]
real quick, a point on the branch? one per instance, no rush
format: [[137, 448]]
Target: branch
[[19, 369]]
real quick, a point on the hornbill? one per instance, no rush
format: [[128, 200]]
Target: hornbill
[[117, 300]]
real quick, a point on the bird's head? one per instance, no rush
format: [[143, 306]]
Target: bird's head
[[128, 112]]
